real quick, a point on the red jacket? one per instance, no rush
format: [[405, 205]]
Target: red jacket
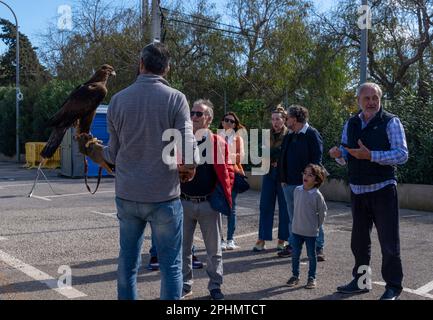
[[224, 171]]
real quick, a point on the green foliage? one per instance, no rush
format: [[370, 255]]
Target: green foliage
[[7, 121]]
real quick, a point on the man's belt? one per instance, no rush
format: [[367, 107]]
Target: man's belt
[[194, 199]]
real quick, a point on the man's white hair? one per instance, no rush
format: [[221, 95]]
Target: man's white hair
[[372, 85], [207, 103]]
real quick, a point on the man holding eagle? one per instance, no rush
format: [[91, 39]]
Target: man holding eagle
[[147, 189]]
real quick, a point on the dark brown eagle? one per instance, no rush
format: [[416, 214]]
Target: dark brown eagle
[[78, 110]]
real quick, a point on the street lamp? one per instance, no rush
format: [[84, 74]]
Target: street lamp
[[364, 44], [19, 95]]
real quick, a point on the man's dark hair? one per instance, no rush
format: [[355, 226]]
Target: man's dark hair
[[298, 112], [155, 58]]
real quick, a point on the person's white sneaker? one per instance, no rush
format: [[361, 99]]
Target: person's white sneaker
[[223, 245], [231, 245]]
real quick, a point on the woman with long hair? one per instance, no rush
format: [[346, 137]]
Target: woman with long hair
[[229, 130], [272, 190]]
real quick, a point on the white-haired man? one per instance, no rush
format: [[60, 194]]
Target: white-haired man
[[373, 143]]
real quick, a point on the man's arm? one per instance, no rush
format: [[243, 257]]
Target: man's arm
[[316, 147], [398, 154], [110, 151], [182, 122], [339, 153]]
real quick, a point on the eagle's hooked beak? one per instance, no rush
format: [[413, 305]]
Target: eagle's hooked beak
[[113, 73]]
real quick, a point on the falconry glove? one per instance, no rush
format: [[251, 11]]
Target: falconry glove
[[93, 148]]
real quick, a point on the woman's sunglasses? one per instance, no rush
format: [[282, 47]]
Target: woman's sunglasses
[[229, 121]]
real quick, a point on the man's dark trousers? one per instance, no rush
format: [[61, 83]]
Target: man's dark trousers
[[381, 208]]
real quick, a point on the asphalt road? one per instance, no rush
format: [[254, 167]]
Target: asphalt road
[[40, 237]]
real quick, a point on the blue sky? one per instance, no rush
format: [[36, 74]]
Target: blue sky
[[34, 16]]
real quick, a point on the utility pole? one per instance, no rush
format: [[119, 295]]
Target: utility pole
[[19, 95], [144, 20], [364, 43], [156, 21]]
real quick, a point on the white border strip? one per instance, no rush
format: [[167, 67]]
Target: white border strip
[[416, 292], [425, 289], [40, 276]]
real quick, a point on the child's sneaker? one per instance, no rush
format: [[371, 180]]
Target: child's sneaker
[[231, 245], [293, 281], [260, 246], [311, 284]]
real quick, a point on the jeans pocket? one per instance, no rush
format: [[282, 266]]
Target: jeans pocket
[[167, 212], [125, 208]]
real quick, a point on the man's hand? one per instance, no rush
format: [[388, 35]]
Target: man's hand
[[362, 153], [93, 148], [335, 153], [185, 174]]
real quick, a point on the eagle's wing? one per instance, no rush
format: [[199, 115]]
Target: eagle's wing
[[80, 104], [82, 101]]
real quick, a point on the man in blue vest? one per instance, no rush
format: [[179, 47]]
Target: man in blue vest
[[374, 143]]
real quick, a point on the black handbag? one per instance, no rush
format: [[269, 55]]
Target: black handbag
[[241, 183]]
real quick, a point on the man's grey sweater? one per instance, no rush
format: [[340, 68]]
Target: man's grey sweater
[[309, 211], [136, 119]]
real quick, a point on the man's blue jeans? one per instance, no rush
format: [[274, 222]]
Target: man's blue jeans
[[290, 201], [310, 243], [166, 220]]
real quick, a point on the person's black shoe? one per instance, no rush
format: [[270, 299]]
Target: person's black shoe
[[216, 294], [352, 287], [286, 252], [320, 255], [196, 263], [186, 294], [153, 264], [390, 294]]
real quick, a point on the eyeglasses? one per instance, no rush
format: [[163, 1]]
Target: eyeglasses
[[229, 120], [198, 114]]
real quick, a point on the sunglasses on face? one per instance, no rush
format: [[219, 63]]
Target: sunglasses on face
[[229, 121], [198, 114]]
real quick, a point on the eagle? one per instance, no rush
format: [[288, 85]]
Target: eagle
[[78, 109]]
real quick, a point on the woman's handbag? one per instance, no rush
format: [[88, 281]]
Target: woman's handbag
[[241, 184]]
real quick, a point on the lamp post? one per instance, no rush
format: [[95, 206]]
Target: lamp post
[[18, 95], [364, 44]]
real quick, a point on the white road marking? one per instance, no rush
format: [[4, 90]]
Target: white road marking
[[16, 185], [40, 198], [76, 194], [339, 215], [425, 289], [251, 234], [40, 276], [3, 238], [111, 215], [416, 292]]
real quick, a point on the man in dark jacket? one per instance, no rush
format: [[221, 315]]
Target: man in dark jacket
[[300, 147]]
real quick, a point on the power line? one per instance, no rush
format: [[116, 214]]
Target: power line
[[244, 32]]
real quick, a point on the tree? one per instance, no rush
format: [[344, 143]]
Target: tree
[[30, 68]]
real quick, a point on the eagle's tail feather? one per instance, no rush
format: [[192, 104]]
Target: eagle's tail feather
[[53, 143]]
